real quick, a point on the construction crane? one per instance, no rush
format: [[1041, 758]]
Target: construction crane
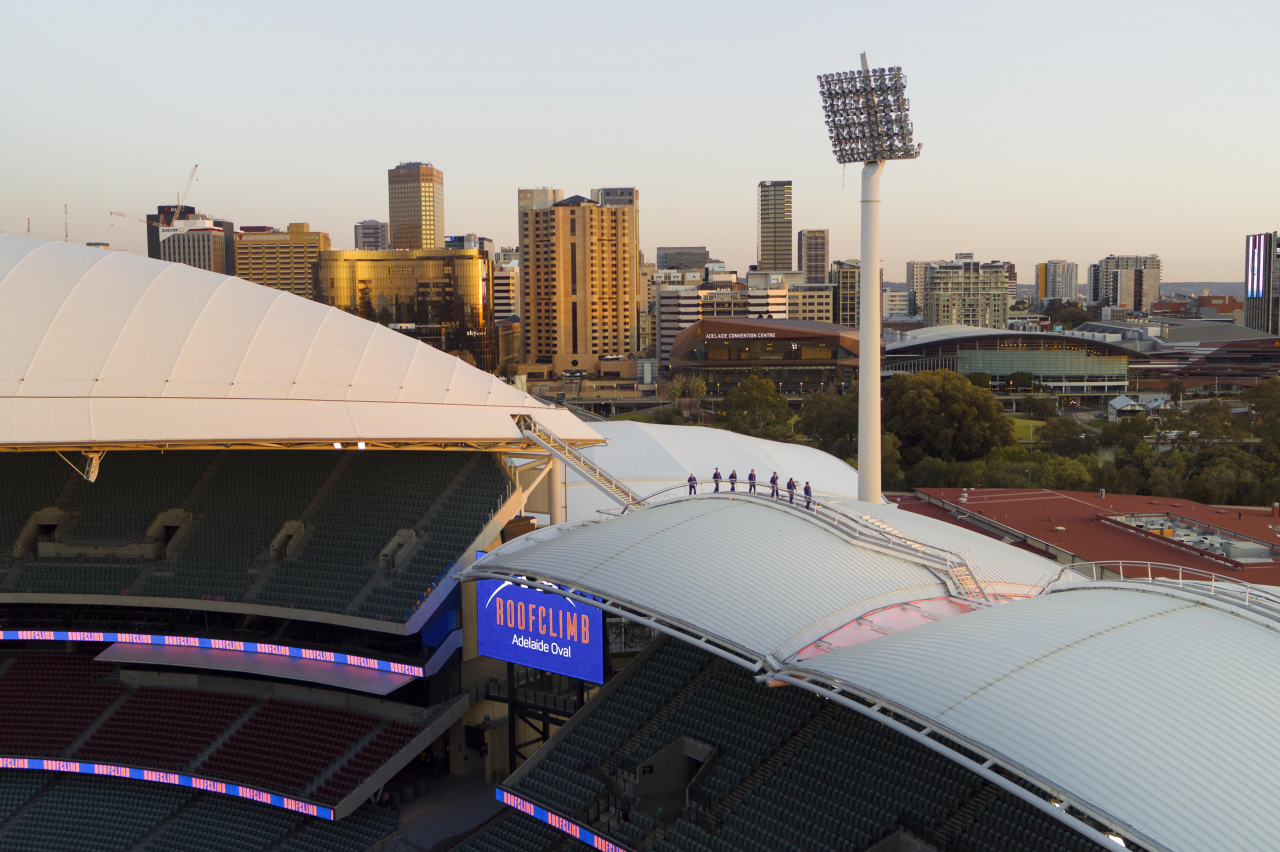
[[182, 196]]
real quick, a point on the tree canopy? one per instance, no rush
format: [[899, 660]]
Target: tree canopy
[[942, 414], [756, 408], [831, 421]]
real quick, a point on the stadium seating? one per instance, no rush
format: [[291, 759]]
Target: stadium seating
[[284, 745], [16, 787], [843, 783], [47, 700], [28, 482], [217, 823], [91, 814], [365, 762], [512, 832], [358, 831], [131, 489], [163, 728], [463, 515], [378, 494]]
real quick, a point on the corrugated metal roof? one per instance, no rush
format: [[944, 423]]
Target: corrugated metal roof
[[760, 576], [108, 347], [1159, 711]]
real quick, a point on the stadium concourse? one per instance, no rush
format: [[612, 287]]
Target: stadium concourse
[[227, 520]]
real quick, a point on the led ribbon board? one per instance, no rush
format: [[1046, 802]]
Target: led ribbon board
[[541, 630], [158, 777], [595, 841], [214, 645]]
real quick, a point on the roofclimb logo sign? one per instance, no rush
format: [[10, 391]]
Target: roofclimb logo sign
[[540, 629]]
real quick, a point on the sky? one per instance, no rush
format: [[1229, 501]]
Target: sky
[[1064, 130]]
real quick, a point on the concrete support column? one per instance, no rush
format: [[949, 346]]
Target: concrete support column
[[556, 489]]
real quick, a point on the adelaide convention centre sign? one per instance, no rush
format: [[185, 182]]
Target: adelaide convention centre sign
[[540, 629]]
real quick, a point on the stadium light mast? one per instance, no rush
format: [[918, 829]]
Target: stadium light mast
[[867, 121]]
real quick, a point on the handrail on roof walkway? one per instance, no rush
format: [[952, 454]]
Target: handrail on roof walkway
[[1263, 599]]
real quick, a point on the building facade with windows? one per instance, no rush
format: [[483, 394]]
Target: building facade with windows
[[813, 247], [814, 302], [372, 235], [680, 307], [846, 278], [773, 226], [967, 292], [415, 202], [683, 257], [1262, 282], [1135, 291], [201, 243], [1056, 279], [580, 279], [281, 260]]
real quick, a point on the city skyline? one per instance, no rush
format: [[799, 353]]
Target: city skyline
[[1077, 194]]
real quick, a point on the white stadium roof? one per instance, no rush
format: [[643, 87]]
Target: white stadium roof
[[1152, 709], [108, 348], [649, 458]]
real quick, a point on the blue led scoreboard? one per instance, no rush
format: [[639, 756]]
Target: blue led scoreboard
[[541, 630]]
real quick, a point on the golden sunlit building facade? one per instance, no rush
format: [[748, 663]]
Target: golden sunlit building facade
[[278, 259], [442, 297], [580, 277], [415, 204]]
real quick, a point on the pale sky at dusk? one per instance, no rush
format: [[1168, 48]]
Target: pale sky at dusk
[[1069, 130]]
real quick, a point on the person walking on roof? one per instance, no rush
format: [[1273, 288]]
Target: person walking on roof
[[733, 481], [693, 484], [791, 489], [715, 477], [773, 485], [751, 481], [808, 496]]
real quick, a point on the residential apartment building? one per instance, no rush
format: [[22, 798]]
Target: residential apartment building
[[1262, 282], [506, 289], [846, 278], [812, 251], [917, 275], [1056, 279], [580, 277], [281, 260], [439, 296], [415, 201], [372, 235], [894, 303], [683, 257], [966, 292], [681, 306], [1133, 292], [773, 227]]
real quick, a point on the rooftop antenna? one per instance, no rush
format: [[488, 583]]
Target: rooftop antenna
[[868, 123]]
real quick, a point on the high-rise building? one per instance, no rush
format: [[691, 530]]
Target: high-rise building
[[917, 275], [966, 292], [846, 276], [415, 202], [168, 221], [440, 296], [1105, 285], [683, 257], [1010, 281], [506, 254], [580, 276], [773, 232], [372, 235], [281, 260], [1262, 282], [198, 242], [1056, 279], [506, 289], [471, 241], [812, 249]]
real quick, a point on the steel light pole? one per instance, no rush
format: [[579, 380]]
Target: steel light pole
[[867, 121]]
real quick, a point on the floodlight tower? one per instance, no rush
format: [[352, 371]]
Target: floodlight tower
[[867, 121]]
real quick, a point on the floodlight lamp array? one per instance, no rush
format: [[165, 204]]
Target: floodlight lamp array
[[867, 115]]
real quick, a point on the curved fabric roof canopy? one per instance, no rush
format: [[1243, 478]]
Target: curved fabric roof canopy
[[649, 457], [109, 348], [1148, 707], [760, 577]]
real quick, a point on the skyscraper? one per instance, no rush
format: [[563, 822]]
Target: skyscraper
[[917, 275], [168, 221], [415, 203], [846, 275], [579, 265], [966, 292], [812, 248], [1056, 279], [683, 257], [372, 235], [773, 233], [1262, 282], [282, 260], [1105, 286]]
